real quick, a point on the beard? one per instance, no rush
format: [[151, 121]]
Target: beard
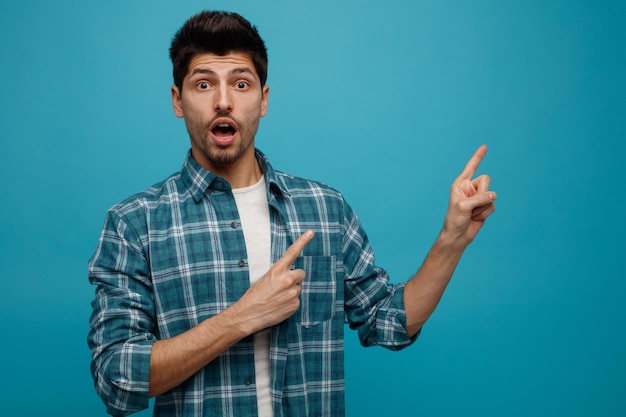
[[222, 155]]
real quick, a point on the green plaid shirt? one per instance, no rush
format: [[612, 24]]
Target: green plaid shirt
[[174, 255]]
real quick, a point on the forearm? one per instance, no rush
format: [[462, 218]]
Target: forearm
[[175, 360], [423, 292]]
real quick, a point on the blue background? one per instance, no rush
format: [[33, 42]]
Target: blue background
[[385, 100]]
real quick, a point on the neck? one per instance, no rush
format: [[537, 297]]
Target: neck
[[240, 177]]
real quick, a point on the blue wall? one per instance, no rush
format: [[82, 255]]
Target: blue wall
[[385, 100]]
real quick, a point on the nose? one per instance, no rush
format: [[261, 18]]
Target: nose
[[223, 99]]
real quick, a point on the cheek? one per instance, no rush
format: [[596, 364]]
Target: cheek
[[250, 120], [194, 113], [195, 124], [256, 111]]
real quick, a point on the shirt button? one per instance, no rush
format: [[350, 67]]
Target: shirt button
[[219, 185], [234, 225], [247, 381], [241, 263]]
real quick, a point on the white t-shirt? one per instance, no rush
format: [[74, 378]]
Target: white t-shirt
[[255, 221]]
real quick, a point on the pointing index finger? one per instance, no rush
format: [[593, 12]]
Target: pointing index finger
[[294, 250], [472, 164]]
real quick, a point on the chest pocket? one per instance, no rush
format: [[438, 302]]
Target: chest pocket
[[319, 290]]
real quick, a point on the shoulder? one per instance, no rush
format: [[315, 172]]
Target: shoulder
[[298, 187], [316, 198], [157, 195], [294, 186]]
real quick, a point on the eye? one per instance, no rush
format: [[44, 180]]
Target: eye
[[203, 85], [241, 85]]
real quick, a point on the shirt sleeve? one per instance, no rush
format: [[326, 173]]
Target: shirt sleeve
[[373, 307], [122, 320]]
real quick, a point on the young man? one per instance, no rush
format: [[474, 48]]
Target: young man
[[224, 289]]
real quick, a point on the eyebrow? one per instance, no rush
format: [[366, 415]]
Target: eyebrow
[[237, 70]]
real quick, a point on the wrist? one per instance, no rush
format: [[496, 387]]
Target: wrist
[[233, 319], [450, 242]]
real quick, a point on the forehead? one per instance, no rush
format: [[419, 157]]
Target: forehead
[[221, 64]]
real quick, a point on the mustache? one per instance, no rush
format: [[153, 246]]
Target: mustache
[[224, 115]]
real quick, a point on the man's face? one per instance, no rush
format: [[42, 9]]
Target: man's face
[[222, 102]]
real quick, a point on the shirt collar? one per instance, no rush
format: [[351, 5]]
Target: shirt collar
[[201, 181]]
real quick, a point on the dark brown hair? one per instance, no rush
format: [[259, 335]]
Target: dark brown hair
[[219, 33]]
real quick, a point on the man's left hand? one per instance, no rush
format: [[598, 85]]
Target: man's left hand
[[470, 204]]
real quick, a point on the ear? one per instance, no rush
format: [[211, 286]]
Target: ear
[[264, 99], [177, 102]]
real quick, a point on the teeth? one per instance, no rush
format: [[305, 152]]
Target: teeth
[[224, 125]]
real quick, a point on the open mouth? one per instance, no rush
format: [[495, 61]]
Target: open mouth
[[223, 130]]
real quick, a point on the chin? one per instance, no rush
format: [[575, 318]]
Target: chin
[[225, 156]]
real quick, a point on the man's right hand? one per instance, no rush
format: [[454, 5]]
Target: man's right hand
[[275, 296]]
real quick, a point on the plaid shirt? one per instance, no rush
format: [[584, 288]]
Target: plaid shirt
[[174, 255]]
